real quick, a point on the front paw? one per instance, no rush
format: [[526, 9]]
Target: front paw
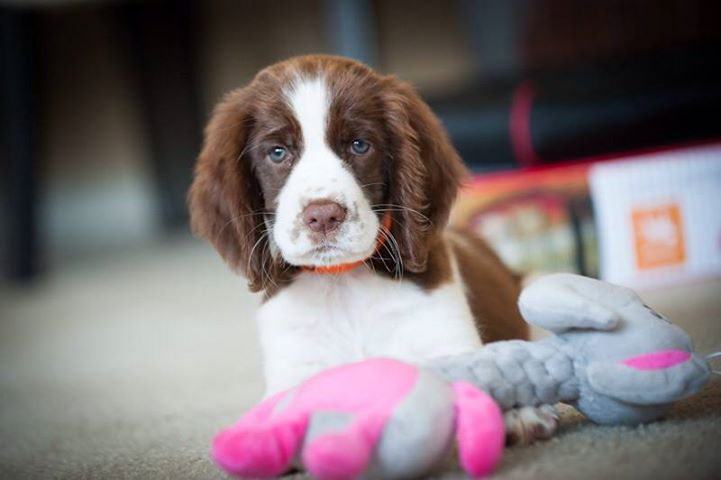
[[526, 425]]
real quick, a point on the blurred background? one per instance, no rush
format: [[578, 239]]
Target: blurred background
[[103, 102], [592, 129]]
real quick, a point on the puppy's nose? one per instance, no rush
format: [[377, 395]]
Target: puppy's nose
[[323, 216]]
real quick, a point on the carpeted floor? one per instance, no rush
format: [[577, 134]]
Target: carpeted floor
[[124, 367]]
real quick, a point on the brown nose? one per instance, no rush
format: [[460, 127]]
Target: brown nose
[[323, 216]]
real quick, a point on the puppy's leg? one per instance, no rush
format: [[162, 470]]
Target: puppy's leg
[[525, 425]]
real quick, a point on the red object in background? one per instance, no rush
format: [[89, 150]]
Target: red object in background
[[519, 127]]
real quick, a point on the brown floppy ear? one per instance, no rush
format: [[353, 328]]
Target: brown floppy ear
[[225, 199], [425, 172]]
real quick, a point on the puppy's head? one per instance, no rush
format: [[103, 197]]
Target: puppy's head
[[299, 167]]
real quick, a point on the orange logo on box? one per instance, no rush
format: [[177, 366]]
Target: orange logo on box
[[659, 236]]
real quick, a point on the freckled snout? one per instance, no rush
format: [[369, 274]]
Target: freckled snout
[[324, 216]]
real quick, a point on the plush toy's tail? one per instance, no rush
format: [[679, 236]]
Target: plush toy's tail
[[479, 429]]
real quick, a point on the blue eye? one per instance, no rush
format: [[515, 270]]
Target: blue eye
[[277, 154], [359, 147]]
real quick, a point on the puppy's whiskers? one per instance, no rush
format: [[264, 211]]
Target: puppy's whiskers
[[251, 256], [238, 217], [391, 245], [391, 207]]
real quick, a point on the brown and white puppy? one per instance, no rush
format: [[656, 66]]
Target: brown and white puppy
[[299, 173]]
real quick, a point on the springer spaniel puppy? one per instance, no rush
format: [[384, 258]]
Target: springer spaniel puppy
[[329, 187]]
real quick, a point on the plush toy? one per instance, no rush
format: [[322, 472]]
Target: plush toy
[[375, 419], [613, 357]]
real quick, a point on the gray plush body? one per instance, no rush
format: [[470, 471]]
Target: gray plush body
[[614, 358]]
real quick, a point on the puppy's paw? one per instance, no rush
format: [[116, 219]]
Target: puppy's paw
[[525, 425]]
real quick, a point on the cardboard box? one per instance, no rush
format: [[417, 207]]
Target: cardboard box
[[658, 216]]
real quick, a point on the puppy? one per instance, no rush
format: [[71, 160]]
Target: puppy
[[328, 186]]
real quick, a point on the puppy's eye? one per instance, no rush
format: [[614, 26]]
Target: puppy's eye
[[359, 147], [277, 154]]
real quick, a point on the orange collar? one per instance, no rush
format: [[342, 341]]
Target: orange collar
[[386, 222]]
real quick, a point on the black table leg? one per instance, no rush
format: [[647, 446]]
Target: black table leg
[[19, 124], [163, 49]]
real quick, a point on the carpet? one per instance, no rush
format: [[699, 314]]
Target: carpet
[[124, 366]]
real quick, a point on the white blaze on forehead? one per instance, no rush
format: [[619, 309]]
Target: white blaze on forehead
[[319, 174], [309, 99]]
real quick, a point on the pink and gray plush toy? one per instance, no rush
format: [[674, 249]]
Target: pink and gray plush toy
[[375, 419], [614, 358]]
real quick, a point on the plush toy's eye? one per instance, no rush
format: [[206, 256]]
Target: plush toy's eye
[[359, 146], [277, 154]]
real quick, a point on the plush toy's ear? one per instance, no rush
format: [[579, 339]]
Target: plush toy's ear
[[562, 301], [653, 379]]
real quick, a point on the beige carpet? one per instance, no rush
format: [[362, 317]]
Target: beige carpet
[[125, 366]]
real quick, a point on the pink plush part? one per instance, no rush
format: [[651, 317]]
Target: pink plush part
[[263, 442], [658, 360], [261, 453], [376, 385], [338, 456], [479, 429], [256, 446]]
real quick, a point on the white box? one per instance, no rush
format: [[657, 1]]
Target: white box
[[658, 216]]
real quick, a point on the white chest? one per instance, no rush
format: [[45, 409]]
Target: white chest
[[323, 320]]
